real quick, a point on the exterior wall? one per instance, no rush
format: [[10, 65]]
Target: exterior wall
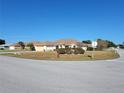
[[14, 48], [50, 48], [45, 48], [73, 46], [39, 48], [27, 48], [11, 48], [70, 46], [61, 46]]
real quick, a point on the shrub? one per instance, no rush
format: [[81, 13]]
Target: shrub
[[61, 51], [78, 51], [89, 49], [70, 51], [1, 48]]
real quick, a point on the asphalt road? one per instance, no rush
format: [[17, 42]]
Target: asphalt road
[[33, 76]]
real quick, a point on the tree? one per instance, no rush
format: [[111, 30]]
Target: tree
[[121, 46], [102, 44], [2, 41], [22, 45], [105, 44], [31, 45], [87, 41], [111, 44]]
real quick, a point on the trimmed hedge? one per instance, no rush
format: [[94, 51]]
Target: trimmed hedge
[[89, 49], [78, 51], [70, 51]]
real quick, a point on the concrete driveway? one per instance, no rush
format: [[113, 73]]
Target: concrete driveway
[[33, 76]]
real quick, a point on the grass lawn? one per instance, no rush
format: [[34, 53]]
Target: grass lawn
[[98, 55], [8, 50]]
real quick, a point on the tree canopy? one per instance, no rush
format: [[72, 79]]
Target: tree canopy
[[31, 45], [105, 44], [22, 45], [87, 41], [111, 44], [2, 41]]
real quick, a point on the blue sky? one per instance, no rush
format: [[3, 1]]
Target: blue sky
[[41, 20]]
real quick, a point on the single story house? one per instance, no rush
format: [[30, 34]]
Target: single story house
[[4, 46], [14, 47], [51, 46], [63, 43]]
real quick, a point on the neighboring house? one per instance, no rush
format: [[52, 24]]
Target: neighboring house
[[85, 46], [63, 43], [4, 46], [14, 47]]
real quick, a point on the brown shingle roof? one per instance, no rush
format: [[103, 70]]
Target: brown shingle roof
[[15, 45], [66, 41], [44, 43], [59, 42]]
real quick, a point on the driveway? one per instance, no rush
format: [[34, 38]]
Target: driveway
[[35, 76]]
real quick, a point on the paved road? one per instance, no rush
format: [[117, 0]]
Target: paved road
[[31, 76]]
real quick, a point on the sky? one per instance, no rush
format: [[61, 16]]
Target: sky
[[48, 20]]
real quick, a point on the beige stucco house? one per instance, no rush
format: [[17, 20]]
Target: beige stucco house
[[51, 46], [44, 46], [63, 43]]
